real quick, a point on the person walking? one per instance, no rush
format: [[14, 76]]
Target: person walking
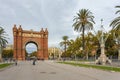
[[34, 60], [16, 62]]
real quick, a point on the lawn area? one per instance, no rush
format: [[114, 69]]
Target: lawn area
[[5, 65], [107, 68]]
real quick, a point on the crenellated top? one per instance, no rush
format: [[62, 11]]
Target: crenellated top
[[20, 32], [14, 28], [42, 31], [20, 28], [46, 31]]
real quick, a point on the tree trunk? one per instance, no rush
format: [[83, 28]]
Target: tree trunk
[[118, 50], [83, 39], [119, 53], [1, 53], [87, 55], [118, 47], [65, 50]]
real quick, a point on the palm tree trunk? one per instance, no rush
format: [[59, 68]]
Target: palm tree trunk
[[119, 47], [119, 53], [0, 53], [83, 39], [65, 49]]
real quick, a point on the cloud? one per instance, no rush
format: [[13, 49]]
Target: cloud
[[56, 15]]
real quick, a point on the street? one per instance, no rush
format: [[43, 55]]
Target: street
[[49, 70]]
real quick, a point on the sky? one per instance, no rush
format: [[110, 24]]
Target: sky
[[55, 15], [31, 48]]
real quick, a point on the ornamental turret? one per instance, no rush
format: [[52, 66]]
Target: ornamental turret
[[15, 28], [20, 28], [46, 31], [42, 31]]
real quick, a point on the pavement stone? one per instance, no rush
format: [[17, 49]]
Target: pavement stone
[[49, 70]]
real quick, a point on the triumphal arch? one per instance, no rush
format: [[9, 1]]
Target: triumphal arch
[[23, 37]]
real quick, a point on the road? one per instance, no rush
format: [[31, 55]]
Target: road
[[48, 70]]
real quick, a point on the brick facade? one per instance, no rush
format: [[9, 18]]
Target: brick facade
[[23, 37]]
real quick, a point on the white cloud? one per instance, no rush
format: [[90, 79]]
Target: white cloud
[[56, 15]]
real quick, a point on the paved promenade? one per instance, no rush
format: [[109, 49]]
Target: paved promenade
[[48, 70]]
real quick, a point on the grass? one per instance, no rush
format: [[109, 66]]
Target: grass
[[107, 68], [5, 65]]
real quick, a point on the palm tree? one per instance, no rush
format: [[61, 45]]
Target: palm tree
[[89, 43], [65, 42], [116, 22], [3, 40], [116, 26], [83, 21]]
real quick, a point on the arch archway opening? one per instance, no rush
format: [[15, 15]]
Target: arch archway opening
[[31, 50]]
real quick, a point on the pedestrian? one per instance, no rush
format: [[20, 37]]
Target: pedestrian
[[16, 62], [34, 60]]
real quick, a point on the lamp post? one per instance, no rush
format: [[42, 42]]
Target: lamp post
[[103, 59]]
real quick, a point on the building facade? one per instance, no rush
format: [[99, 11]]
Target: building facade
[[54, 53]]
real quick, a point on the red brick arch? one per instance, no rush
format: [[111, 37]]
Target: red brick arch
[[23, 37]]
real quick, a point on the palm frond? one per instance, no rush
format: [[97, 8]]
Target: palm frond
[[115, 22], [3, 38], [83, 17], [118, 10], [117, 6]]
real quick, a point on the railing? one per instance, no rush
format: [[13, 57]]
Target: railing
[[115, 62], [7, 60]]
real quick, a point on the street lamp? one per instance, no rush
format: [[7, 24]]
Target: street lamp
[[103, 59]]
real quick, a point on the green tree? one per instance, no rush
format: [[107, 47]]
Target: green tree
[[116, 26], [64, 43], [7, 53], [70, 49], [89, 44], [3, 40], [83, 21], [3, 37], [33, 54], [116, 38], [73, 49]]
